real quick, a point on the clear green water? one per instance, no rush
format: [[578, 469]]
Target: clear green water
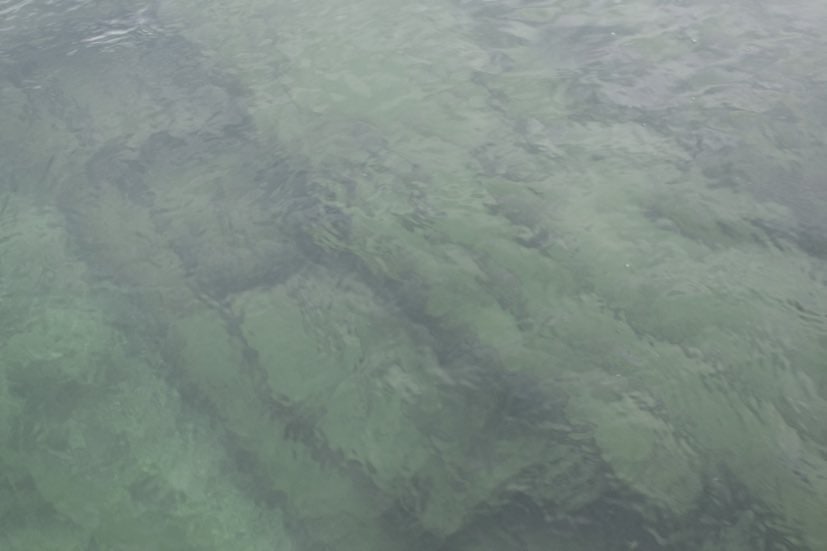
[[438, 276]]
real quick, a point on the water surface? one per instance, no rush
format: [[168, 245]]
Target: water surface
[[379, 275]]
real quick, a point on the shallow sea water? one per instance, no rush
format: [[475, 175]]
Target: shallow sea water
[[380, 275]]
